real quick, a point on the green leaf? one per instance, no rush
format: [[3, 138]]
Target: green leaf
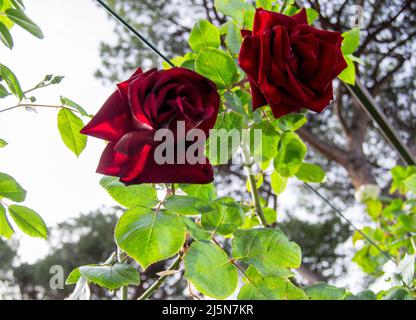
[[3, 91], [217, 66], [374, 208], [69, 126], [202, 191], [291, 122], [408, 222], [73, 277], [266, 249], [21, 19], [278, 182], [11, 81], [410, 183], [6, 229], [111, 277], [309, 172], [210, 270], [270, 288], [4, 5], [187, 205], [290, 156], [351, 41], [226, 219], [363, 295], [28, 221], [234, 102], [266, 150], [323, 291], [3, 143], [195, 230], [204, 34], [149, 236], [398, 293], [224, 142], [312, 15], [5, 36], [10, 189], [348, 75], [141, 195], [233, 38], [265, 4], [236, 9], [69, 103]]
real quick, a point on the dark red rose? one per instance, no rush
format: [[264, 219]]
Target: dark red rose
[[290, 65], [143, 104]]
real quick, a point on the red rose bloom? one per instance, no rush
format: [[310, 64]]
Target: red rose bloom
[[143, 104], [290, 65]]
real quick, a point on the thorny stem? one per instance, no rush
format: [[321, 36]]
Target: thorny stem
[[159, 281]]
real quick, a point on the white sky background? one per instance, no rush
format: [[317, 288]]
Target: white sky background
[[60, 185]]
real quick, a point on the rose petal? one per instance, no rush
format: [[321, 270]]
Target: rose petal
[[131, 143], [248, 58], [266, 20], [112, 121], [112, 163]]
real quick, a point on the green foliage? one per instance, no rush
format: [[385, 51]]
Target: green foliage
[[143, 195], [203, 35], [266, 249], [21, 19], [3, 143], [69, 103], [11, 80], [290, 155], [323, 291], [6, 229], [5, 36], [202, 191], [349, 45], [233, 38], [217, 66], [111, 277], [278, 182], [28, 221], [309, 172], [259, 287], [210, 270], [239, 10], [226, 219], [69, 126], [187, 205], [149, 236], [11, 189]]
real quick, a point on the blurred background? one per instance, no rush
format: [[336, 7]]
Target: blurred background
[[93, 53]]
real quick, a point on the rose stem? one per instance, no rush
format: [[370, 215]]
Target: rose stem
[[159, 281]]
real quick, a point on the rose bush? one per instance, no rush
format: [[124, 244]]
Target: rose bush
[[290, 65], [143, 104]]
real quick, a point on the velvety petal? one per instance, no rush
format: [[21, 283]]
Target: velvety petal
[[138, 90], [131, 143], [174, 173], [301, 17], [324, 74], [112, 121], [258, 98], [136, 165], [112, 163], [281, 47], [248, 58], [266, 20], [322, 101]]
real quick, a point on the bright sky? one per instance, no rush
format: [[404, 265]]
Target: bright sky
[[59, 185]]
